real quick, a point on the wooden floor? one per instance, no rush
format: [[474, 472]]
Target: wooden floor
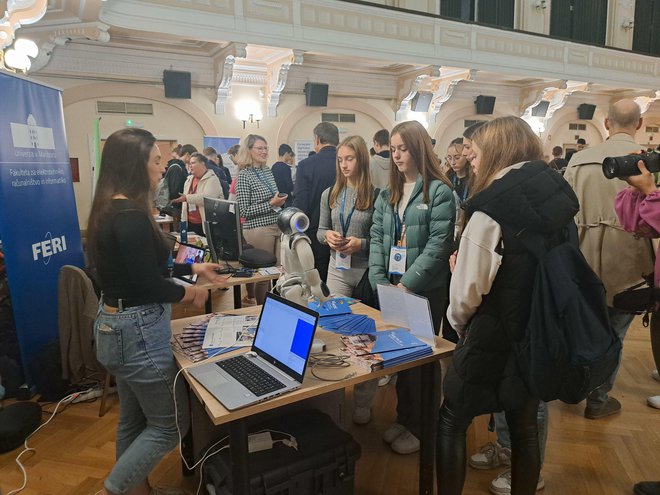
[[604, 457]]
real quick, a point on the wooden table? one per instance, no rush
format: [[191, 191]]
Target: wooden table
[[205, 408], [165, 221]]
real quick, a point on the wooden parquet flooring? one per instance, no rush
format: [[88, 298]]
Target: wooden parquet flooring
[[585, 457]]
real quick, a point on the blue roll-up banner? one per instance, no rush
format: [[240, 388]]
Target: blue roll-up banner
[[38, 219]]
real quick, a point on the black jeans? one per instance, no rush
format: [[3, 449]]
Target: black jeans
[[321, 256], [525, 455], [409, 382]]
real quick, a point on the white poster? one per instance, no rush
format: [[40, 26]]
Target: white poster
[[302, 149]]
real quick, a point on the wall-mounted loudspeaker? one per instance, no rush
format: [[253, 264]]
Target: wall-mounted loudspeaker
[[177, 84], [421, 101], [484, 104], [316, 94], [541, 109], [586, 111]]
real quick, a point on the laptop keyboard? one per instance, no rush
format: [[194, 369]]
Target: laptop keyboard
[[250, 375]]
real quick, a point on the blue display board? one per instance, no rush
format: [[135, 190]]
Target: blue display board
[[38, 219], [220, 144]]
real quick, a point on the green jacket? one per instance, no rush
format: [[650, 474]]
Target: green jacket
[[429, 238]]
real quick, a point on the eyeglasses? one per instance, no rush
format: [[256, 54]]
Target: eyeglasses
[[260, 148]]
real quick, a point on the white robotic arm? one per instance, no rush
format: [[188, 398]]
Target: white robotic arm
[[300, 280]]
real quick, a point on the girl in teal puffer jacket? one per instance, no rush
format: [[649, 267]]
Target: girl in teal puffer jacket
[[411, 240]]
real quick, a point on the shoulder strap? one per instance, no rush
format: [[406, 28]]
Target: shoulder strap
[[536, 243], [376, 194]]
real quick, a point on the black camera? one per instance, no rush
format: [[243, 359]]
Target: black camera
[[625, 166]]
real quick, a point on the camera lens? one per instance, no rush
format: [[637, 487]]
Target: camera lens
[[610, 167]]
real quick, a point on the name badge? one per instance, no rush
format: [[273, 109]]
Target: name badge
[[343, 261], [422, 206], [191, 207], [397, 260]]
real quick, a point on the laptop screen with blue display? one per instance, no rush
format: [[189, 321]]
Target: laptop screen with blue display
[[285, 333]]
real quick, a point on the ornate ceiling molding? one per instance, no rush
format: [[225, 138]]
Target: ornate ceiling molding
[[225, 70], [277, 83], [93, 31], [556, 95], [19, 13], [418, 82], [644, 102], [444, 88]]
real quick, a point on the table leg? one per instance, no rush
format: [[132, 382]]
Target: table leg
[[240, 460], [237, 297], [428, 429], [208, 305]]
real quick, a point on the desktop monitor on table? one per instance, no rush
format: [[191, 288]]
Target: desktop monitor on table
[[223, 229]]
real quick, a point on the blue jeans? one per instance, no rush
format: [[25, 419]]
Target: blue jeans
[[620, 322], [134, 345], [504, 436]]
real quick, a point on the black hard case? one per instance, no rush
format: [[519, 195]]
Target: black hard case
[[324, 463]]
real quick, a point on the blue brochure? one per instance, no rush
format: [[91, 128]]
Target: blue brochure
[[395, 340], [386, 348], [337, 306]]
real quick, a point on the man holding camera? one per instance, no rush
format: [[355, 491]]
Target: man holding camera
[[617, 257]]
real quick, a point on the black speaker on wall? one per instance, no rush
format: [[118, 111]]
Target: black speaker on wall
[[421, 101], [316, 94], [586, 111], [484, 104], [177, 84], [541, 109]]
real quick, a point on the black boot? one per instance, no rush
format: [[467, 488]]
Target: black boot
[[647, 488]]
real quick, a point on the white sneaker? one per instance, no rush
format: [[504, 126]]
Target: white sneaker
[[490, 456], [655, 375], [502, 484], [654, 401], [406, 443], [393, 432], [384, 380], [361, 415]]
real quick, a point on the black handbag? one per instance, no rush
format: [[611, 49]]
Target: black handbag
[[257, 258], [364, 293], [640, 299]]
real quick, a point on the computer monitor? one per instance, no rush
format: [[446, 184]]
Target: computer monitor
[[223, 229]]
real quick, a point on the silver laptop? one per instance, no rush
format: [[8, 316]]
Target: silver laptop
[[275, 364], [408, 310]]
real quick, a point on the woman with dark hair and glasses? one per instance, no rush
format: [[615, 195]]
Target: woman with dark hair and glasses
[[132, 328]]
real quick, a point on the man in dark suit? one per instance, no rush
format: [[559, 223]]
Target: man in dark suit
[[282, 172], [315, 174]]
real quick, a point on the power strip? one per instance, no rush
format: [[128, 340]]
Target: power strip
[[92, 394]]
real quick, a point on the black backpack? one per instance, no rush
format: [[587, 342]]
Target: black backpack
[[569, 348]]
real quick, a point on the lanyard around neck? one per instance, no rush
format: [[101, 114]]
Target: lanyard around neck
[[345, 225], [264, 180]]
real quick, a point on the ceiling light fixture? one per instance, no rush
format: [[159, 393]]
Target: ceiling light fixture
[[17, 57]]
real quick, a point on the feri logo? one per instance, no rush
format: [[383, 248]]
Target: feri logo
[[48, 247]]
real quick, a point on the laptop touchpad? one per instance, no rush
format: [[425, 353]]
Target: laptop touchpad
[[213, 377]]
